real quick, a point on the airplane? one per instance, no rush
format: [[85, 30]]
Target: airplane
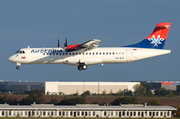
[[88, 53]]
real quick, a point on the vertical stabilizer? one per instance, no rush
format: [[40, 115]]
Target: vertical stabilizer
[[157, 38]]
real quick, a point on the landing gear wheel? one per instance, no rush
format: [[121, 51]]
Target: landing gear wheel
[[80, 68], [17, 67], [84, 67]]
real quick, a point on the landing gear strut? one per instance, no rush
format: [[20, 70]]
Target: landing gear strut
[[18, 65], [82, 66]]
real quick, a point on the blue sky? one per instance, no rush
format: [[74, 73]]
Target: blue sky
[[39, 23]]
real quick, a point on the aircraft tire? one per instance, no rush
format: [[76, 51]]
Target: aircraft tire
[[17, 67], [80, 68], [84, 67]]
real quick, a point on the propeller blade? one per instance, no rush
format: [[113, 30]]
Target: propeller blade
[[58, 43], [65, 44]]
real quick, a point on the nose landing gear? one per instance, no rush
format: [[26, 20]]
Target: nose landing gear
[[82, 66], [18, 66]]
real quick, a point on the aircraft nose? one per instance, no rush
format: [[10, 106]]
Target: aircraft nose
[[10, 59]]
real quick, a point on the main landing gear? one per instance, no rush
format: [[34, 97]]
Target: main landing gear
[[18, 66], [82, 66]]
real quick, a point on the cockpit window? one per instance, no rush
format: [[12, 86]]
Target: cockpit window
[[20, 52], [17, 52]]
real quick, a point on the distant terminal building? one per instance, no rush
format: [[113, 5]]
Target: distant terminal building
[[13, 87], [67, 88], [83, 110], [171, 85], [93, 87]]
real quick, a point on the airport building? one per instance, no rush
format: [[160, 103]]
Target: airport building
[[67, 88], [14, 87], [93, 87], [171, 85], [83, 110]]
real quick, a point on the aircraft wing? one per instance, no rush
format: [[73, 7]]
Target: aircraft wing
[[91, 44]]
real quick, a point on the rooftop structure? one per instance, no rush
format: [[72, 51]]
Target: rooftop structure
[[87, 110]]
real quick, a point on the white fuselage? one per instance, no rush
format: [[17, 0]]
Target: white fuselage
[[91, 57]]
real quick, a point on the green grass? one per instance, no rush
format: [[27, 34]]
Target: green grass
[[75, 118]]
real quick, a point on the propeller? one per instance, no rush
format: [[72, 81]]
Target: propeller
[[65, 44], [58, 43]]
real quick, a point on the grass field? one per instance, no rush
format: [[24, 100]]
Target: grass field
[[174, 101], [72, 118]]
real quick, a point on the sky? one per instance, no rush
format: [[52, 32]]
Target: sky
[[39, 23]]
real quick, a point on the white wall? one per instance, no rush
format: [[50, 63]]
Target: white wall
[[93, 87]]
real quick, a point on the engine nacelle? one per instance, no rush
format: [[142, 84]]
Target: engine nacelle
[[72, 47]]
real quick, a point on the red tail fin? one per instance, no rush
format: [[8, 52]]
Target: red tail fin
[[161, 29], [157, 38]]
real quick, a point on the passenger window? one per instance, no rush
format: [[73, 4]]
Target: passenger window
[[86, 53], [53, 53], [93, 53], [59, 53], [49, 53], [69, 53], [116, 53], [106, 53], [63, 53], [79, 53], [76, 53], [113, 53], [100, 53], [72, 53], [66, 53], [89, 53], [96, 53], [83, 53], [123, 53], [110, 53], [56, 53], [120, 53], [103, 53], [43, 53]]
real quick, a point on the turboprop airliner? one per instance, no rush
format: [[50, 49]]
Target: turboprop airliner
[[88, 53]]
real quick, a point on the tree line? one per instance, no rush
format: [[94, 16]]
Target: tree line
[[145, 90], [140, 90], [38, 97]]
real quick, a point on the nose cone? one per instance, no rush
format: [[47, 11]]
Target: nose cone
[[10, 59]]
